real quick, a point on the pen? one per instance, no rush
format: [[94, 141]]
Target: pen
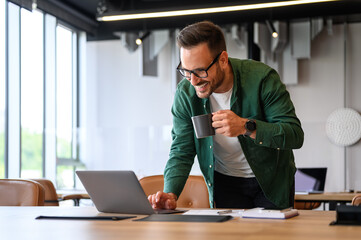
[[224, 212]]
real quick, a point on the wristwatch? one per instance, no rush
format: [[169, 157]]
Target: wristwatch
[[250, 127]]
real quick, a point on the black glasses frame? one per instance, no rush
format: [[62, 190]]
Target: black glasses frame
[[181, 70]]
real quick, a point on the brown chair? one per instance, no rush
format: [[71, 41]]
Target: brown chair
[[21, 192], [51, 196], [306, 205], [194, 194], [356, 201]]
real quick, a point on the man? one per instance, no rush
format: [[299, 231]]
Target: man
[[249, 162]]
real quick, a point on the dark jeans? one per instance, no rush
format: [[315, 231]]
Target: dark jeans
[[238, 192]]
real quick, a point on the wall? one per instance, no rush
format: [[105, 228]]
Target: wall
[[321, 91], [129, 118]]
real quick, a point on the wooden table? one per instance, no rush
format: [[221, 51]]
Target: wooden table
[[19, 223], [332, 198]]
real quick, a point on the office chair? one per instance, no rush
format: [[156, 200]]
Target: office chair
[[194, 194], [306, 205], [356, 201], [51, 196], [21, 192]]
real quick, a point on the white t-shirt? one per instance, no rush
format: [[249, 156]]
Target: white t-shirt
[[230, 159]]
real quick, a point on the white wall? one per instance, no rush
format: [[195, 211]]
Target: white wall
[[129, 118], [319, 92]]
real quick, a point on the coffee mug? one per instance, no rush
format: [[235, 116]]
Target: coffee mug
[[203, 125]]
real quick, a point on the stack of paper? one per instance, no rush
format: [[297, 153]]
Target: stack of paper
[[264, 213], [215, 212]]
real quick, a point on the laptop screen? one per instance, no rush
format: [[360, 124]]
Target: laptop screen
[[310, 179]]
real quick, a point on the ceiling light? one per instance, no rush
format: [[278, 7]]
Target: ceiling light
[[140, 40], [208, 10], [272, 29]]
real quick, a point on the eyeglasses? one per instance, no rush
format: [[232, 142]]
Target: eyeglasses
[[199, 72]]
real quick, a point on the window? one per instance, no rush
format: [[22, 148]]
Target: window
[[2, 88], [66, 106], [32, 94], [39, 83]]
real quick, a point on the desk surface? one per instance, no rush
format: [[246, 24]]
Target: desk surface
[[327, 196], [20, 223]]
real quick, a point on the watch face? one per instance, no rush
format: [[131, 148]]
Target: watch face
[[251, 125]]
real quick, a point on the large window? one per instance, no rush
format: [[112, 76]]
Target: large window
[[32, 94], [66, 106], [38, 96], [2, 88]]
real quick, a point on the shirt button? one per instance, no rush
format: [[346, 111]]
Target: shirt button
[[210, 184], [260, 142], [204, 106], [210, 166], [278, 149], [210, 146]]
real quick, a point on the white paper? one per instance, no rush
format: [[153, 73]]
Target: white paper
[[216, 212]]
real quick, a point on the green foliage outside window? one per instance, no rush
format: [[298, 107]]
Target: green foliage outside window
[[31, 154], [63, 148]]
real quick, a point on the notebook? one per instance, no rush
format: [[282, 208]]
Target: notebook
[[310, 180], [117, 192], [266, 213]]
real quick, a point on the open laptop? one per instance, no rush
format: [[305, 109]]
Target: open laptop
[[118, 192], [310, 180]]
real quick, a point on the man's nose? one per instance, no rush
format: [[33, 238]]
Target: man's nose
[[194, 79]]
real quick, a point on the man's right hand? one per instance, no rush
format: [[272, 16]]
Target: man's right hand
[[162, 200]]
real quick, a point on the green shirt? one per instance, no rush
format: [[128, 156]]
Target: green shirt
[[259, 94]]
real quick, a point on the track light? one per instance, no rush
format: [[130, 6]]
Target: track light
[[34, 5], [140, 40], [272, 29], [184, 12]]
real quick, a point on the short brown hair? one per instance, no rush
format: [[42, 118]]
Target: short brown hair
[[202, 32]]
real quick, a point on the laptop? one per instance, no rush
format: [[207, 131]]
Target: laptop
[[310, 180], [118, 192]]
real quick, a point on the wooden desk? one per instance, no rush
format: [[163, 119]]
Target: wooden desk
[[332, 198], [20, 223], [329, 197]]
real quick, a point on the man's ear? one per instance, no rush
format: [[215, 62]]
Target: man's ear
[[223, 59]]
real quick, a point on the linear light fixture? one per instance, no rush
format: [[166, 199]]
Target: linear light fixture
[[208, 10]]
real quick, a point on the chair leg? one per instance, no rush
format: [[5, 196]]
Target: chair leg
[[76, 202]]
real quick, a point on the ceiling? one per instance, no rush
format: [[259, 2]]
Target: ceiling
[[339, 11]]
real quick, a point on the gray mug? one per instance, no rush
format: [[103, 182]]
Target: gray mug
[[203, 125]]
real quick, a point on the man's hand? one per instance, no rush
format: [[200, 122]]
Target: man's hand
[[162, 200], [228, 123]]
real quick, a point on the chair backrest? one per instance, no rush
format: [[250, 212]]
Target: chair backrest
[[194, 194], [21, 192], [356, 201], [51, 197], [306, 205]]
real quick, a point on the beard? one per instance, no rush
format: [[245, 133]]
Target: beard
[[211, 85]]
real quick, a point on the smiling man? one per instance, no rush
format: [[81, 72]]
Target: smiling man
[[249, 162]]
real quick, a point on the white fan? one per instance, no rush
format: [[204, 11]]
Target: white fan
[[343, 127]]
